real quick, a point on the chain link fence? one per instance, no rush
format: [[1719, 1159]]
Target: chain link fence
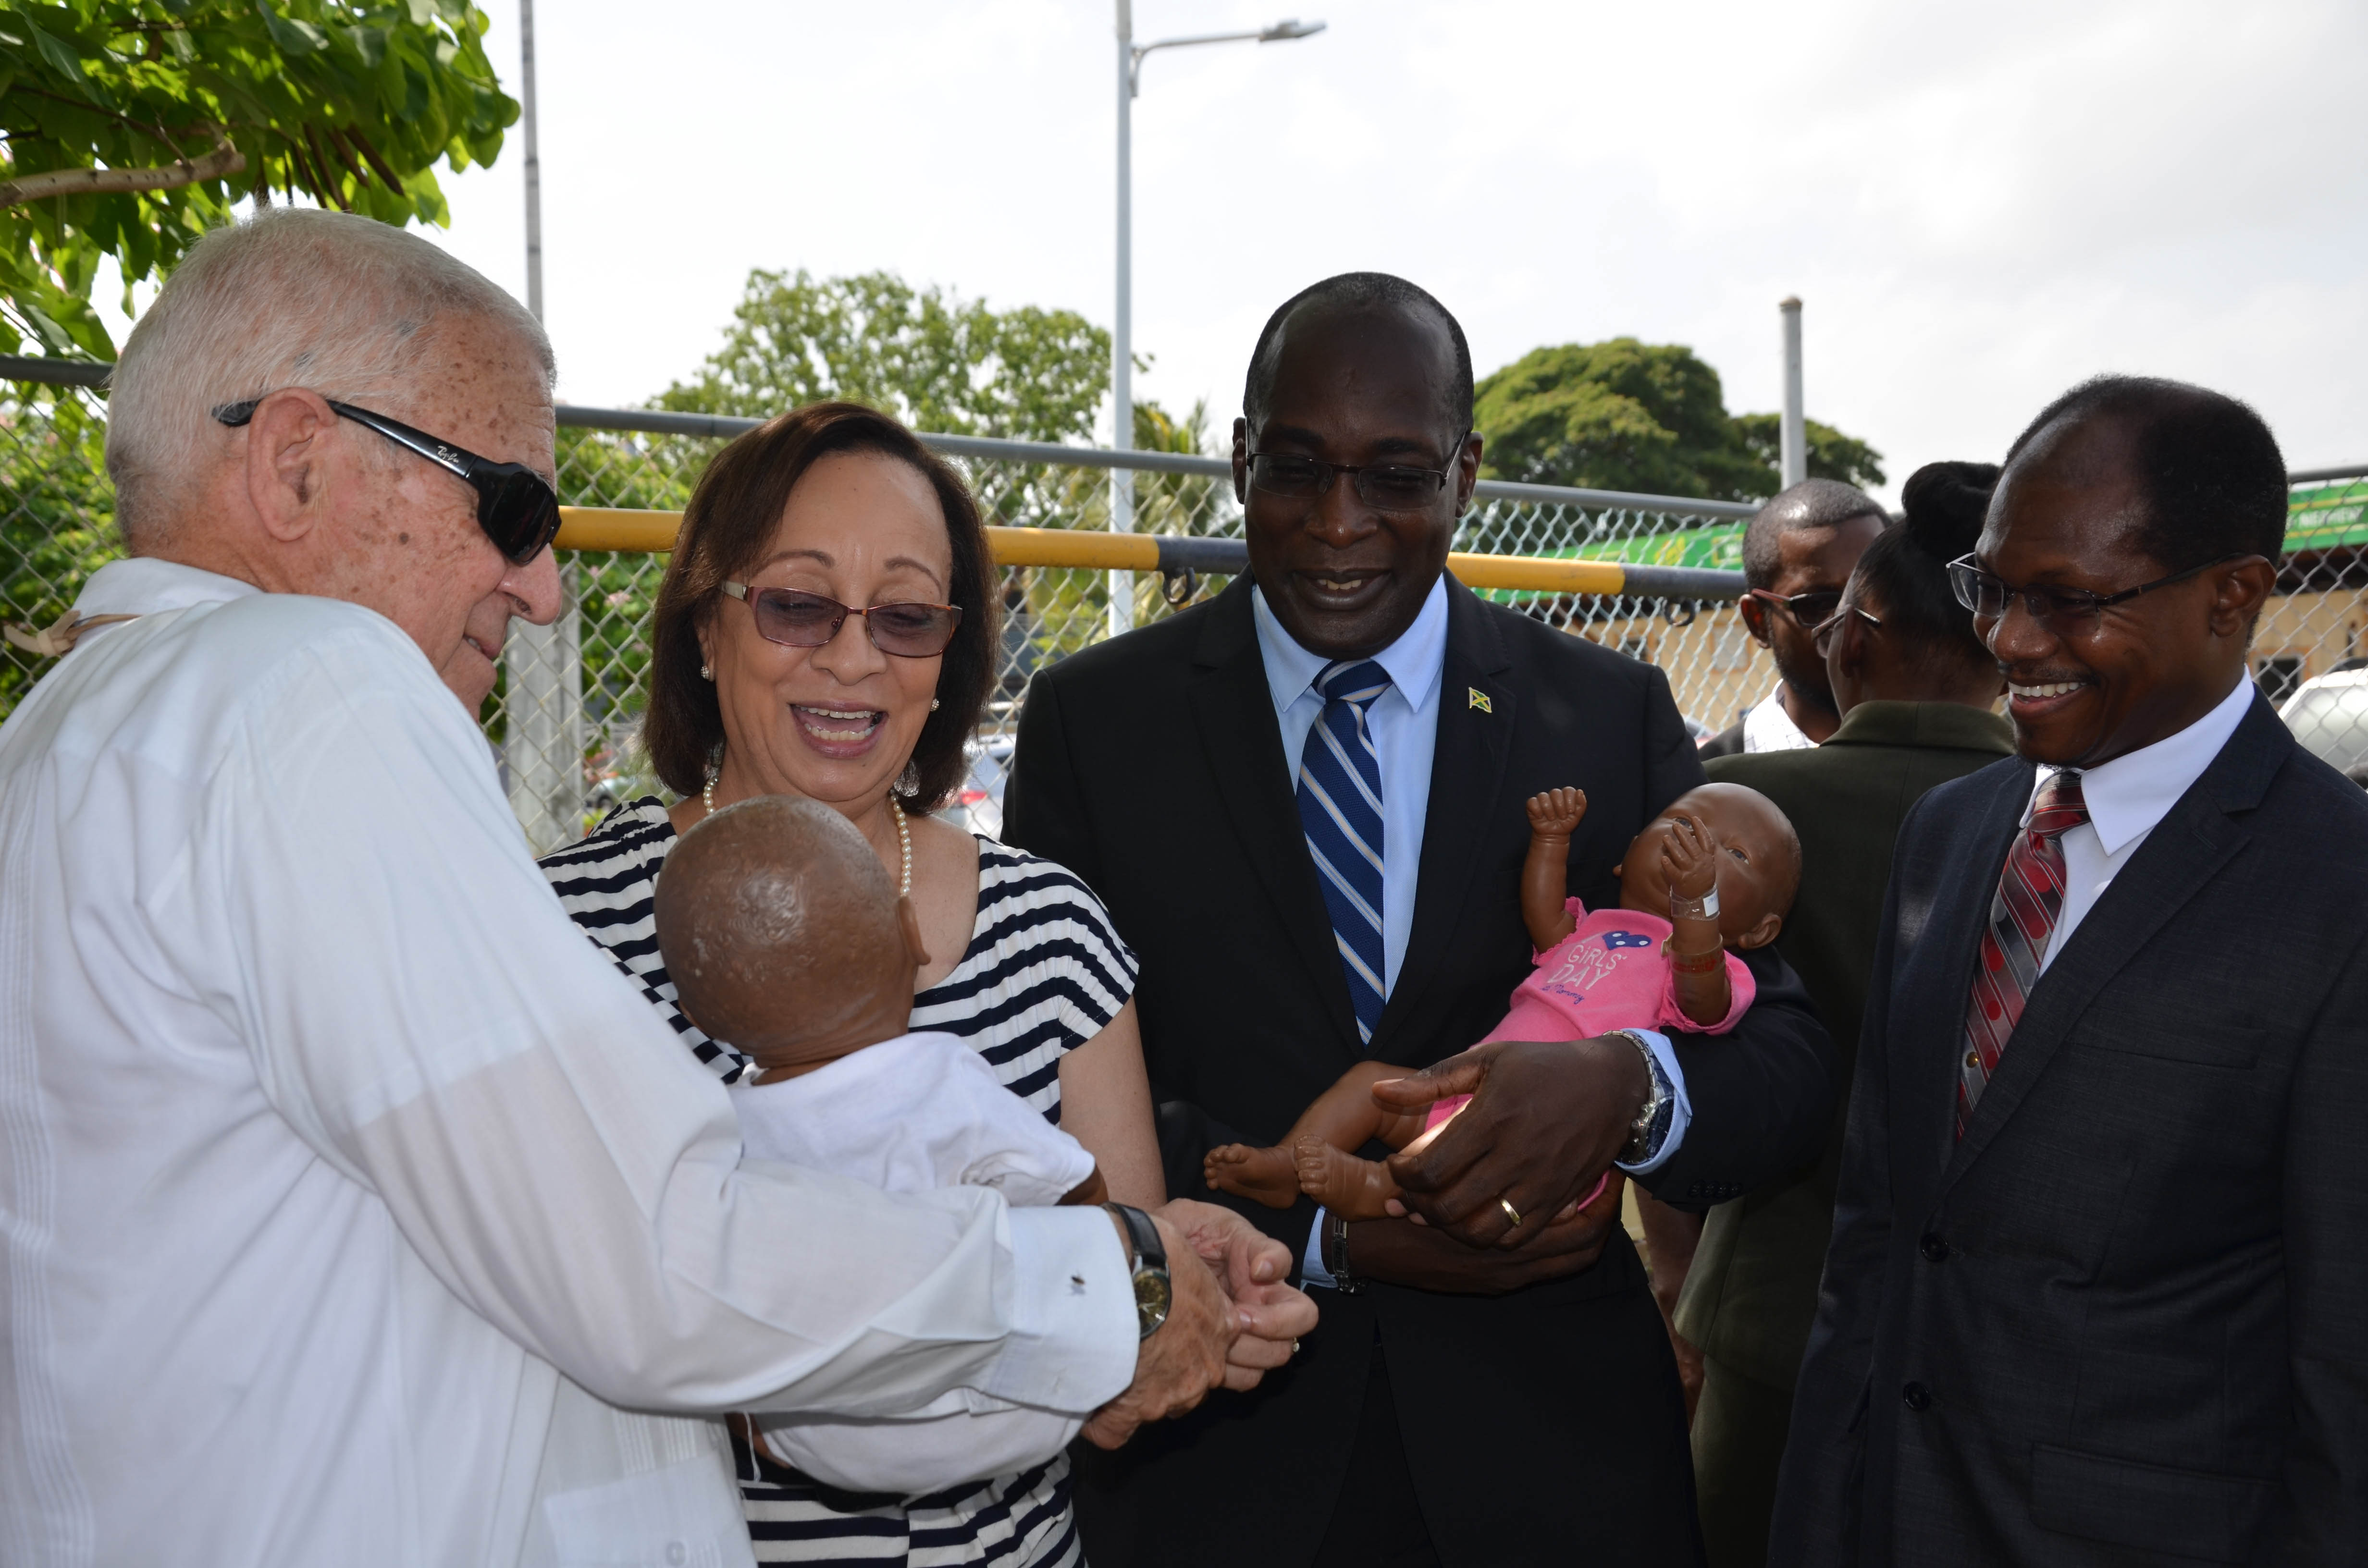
[[565, 717]]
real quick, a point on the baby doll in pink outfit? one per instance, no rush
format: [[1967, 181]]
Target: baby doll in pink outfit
[[1710, 876]]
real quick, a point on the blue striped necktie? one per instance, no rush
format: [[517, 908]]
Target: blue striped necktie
[[1340, 810]]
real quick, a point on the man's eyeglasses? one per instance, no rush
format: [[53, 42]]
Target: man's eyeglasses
[[1821, 636], [795, 619], [2065, 609], [1808, 610], [516, 506], [1388, 487]]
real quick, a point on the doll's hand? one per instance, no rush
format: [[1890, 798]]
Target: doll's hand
[[1556, 812], [1689, 858]]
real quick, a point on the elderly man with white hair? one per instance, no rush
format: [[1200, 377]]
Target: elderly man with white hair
[[344, 1198]]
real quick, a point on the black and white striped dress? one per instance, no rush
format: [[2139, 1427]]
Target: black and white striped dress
[[1044, 973]]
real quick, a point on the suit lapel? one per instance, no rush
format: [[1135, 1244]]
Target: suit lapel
[[2178, 859], [1233, 707], [1467, 769]]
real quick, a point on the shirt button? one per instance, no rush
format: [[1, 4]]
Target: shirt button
[[1935, 1249], [675, 1554], [1916, 1397]]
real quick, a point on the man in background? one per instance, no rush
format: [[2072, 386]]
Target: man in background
[[1915, 688], [1797, 552], [2097, 1293]]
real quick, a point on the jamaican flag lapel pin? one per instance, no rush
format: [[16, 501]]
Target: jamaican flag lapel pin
[[1479, 700]]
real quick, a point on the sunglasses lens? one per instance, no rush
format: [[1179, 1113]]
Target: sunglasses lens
[[797, 620], [1813, 611], [913, 630], [519, 513]]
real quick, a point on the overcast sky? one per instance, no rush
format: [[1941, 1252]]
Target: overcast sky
[[1979, 204]]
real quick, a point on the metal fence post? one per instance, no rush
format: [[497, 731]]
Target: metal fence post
[[543, 741], [1794, 452]]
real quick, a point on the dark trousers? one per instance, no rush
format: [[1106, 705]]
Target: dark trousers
[[1377, 1523], [1739, 1442]]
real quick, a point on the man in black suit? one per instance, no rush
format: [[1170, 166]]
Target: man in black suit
[[1303, 805], [2098, 1291]]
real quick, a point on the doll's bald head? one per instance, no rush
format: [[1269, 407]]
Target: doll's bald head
[[784, 937]]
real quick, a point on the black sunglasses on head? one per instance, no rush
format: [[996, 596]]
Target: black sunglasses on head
[[516, 506]]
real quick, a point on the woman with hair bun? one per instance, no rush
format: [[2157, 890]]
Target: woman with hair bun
[[1915, 689]]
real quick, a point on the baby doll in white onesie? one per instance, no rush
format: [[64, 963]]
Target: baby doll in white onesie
[[785, 939]]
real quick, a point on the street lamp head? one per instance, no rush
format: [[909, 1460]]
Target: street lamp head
[[1290, 29]]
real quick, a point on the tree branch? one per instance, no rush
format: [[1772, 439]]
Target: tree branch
[[224, 159]]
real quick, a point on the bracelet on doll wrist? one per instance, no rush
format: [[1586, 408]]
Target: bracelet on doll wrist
[[1702, 908], [1698, 964]]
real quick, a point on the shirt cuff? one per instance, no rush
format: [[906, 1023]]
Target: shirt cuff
[[1311, 1268], [1678, 1111], [1074, 1328]]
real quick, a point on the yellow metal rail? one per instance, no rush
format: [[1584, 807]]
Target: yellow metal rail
[[590, 528]]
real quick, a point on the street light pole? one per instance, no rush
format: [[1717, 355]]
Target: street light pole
[[1122, 584], [542, 744], [1130, 80], [1791, 429]]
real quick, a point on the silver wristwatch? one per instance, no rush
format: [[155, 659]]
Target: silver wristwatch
[[1657, 1099]]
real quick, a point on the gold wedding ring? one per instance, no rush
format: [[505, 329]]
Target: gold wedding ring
[[1510, 1213]]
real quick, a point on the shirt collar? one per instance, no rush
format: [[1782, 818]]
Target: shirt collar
[[2127, 796], [1413, 662], [145, 585], [1768, 728]]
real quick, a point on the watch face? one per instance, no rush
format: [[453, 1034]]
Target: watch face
[[1150, 1299]]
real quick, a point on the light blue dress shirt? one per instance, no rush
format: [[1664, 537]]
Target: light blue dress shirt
[[1403, 723]]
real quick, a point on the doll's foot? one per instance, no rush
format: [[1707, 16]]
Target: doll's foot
[[1267, 1175], [1350, 1187]]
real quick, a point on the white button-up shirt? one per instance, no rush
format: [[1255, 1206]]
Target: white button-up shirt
[[2127, 797], [345, 1190]]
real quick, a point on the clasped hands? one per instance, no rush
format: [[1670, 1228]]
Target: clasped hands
[[1233, 1316], [1546, 1119]]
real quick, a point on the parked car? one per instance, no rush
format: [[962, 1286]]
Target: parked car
[[977, 806], [2328, 714]]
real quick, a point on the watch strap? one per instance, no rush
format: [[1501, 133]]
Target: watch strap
[[1141, 1235]]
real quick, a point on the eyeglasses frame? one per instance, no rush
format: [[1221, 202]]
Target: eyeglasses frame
[[1791, 606], [482, 474], [743, 592], [2079, 605], [1332, 472], [1822, 634]]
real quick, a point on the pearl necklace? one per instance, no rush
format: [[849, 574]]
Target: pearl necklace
[[904, 832]]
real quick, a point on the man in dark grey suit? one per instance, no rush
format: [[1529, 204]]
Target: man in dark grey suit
[[2098, 1291]]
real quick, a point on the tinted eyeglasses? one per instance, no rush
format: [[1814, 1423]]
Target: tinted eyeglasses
[[1388, 487], [1808, 610], [1821, 636], [2063, 609], [795, 619], [516, 506]]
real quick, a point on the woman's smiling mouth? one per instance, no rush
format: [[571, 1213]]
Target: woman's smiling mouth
[[837, 731]]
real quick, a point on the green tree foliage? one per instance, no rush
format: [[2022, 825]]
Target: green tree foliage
[[132, 127], [1832, 454], [935, 361], [1650, 417]]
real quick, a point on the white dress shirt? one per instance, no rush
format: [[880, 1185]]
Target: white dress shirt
[[1403, 723], [345, 1190], [1766, 727], [2126, 797]]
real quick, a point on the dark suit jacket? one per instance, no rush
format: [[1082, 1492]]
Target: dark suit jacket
[[2125, 1319], [1539, 1425], [1752, 1290]]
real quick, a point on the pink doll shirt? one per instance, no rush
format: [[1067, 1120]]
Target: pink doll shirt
[[1609, 973]]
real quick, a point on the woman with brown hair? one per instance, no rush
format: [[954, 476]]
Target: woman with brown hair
[[827, 630]]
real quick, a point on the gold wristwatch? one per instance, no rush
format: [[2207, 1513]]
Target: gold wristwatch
[[1153, 1291]]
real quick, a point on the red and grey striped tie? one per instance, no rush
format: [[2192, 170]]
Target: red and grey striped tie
[[2023, 918]]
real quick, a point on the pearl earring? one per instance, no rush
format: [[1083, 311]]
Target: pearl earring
[[706, 672], [933, 704]]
